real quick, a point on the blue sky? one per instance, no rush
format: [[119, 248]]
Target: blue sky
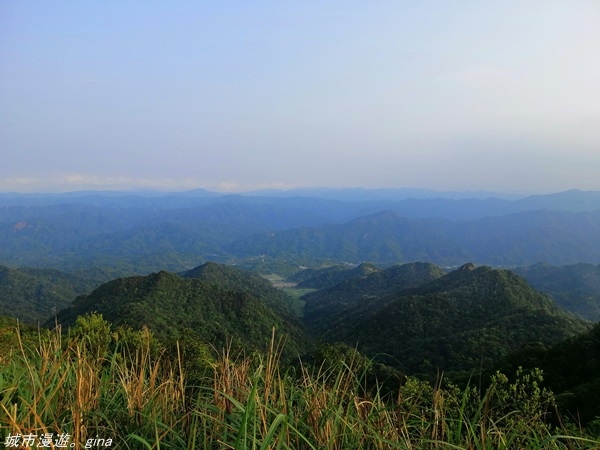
[[234, 96]]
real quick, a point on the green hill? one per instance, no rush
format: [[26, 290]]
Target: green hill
[[217, 310], [516, 239], [348, 299], [571, 369], [575, 288], [35, 295], [330, 276], [231, 278], [383, 237], [464, 320]]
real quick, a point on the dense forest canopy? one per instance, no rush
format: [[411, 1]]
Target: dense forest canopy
[[380, 285], [135, 234]]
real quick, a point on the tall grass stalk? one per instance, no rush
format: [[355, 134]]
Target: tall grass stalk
[[141, 400]]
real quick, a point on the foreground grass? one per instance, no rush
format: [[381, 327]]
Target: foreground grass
[[140, 398]]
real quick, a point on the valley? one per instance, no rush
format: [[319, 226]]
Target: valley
[[407, 300]]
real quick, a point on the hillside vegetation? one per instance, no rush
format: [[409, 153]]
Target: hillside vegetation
[[330, 276], [142, 234], [519, 239], [213, 357], [157, 337], [218, 303], [35, 295], [126, 395], [575, 288], [572, 371], [428, 321]]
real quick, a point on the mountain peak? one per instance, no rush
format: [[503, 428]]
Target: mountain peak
[[468, 267], [217, 308], [441, 323]]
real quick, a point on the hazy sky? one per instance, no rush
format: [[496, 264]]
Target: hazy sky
[[462, 95]]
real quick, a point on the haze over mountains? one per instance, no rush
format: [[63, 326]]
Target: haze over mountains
[[420, 284], [410, 202], [144, 233], [255, 310]]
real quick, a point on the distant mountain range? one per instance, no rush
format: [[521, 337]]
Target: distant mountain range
[[553, 237], [144, 233], [408, 202], [384, 270]]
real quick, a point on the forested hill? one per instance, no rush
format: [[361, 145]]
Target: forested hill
[[354, 295], [330, 276], [575, 287], [35, 295], [466, 319], [168, 304], [233, 279], [519, 239], [571, 369], [142, 234], [382, 237]]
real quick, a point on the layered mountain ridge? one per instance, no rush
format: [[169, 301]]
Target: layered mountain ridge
[[143, 234], [458, 321]]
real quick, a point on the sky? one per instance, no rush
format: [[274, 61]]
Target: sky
[[235, 96]]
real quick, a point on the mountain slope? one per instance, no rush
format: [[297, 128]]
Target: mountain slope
[[571, 369], [383, 237], [349, 298], [233, 279], [517, 239], [35, 295], [330, 276], [167, 304], [466, 319], [575, 288]]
